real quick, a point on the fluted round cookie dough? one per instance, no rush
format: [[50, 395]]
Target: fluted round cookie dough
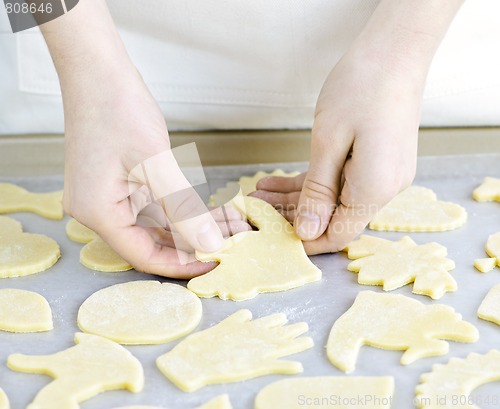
[[80, 233], [97, 255], [24, 311], [141, 312], [22, 253]]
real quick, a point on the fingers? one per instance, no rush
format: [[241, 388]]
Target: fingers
[[283, 202], [318, 199], [281, 184]]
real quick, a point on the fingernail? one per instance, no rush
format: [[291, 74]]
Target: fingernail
[[307, 226], [210, 238]]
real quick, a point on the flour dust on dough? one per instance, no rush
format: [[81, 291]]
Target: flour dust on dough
[[16, 199], [22, 253], [236, 349], [24, 311], [141, 312], [395, 264], [393, 321], [489, 309], [220, 402], [98, 255], [449, 386], [246, 184], [252, 262], [311, 392], [92, 366], [417, 209], [80, 233], [488, 191]]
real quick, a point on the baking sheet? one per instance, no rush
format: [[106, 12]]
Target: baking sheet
[[68, 284]]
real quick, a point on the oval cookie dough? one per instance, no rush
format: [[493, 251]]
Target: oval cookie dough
[[141, 312], [24, 311]]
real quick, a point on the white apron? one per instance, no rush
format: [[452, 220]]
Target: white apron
[[214, 64]]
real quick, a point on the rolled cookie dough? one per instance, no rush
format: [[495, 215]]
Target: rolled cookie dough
[[417, 209], [395, 264], [235, 349], [16, 199], [141, 312], [449, 386], [251, 262], [393, 321], [489, 309], [22, 253], [97, 255], [79, 233], [488, 191], [93, 366], [24, 311], [220, 402], [4, 402], [327, 392]]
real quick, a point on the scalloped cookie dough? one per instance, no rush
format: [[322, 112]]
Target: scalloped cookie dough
[[489, 309], [220, 402], [236, 349], [79, 233], [395, 264], [98, 255], [449, 386], [489, 190], [141, 312], [417, 209], [247, 184], [393, 321], [16, 199], [328, 392], [24, 311], [252, 262], [92, 366], [4, 401], [22, 253]]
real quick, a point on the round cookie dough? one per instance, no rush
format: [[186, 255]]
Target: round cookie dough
[[141, 312], [79, 233], [24, 311], [97, 255]]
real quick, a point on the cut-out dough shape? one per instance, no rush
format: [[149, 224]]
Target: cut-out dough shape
[[485, 264], [80, 233], [489, 309], [141, 312], [4, 402], [449, 386], [247, 184], [220, 402], [24, 311], [252, 262], [417, 209], [395, 264], [340, 392], [16, 199], [97, 255], [235, 349], [393, 321], [22, 253], [488, 191], [93, 366]]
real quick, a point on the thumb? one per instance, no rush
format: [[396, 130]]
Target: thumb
[[321, 187]]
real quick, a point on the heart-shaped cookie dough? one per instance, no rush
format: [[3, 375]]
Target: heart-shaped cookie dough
[[417, 209], [22, 253], [16, 199]]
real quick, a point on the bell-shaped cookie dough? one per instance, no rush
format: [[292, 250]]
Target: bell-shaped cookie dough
[[93, 366], [252, 262], [235, 349], [393, 321], [24, 311]]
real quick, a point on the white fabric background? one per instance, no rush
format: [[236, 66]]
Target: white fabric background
[[239, 64]]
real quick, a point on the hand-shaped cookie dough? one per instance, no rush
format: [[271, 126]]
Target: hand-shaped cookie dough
[[22, 253], [488, 191], [268, 260], [235, 349], [220, 402], [395, 264], [417, 209], [392, 321], [449, 386], [16, 199], [24, 311], [94, 365]]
